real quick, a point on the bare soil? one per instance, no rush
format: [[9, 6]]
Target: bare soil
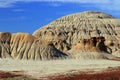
[[108, 74]]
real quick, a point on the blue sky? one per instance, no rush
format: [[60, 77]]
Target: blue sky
[[29, 15]]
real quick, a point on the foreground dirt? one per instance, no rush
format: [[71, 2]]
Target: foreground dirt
[[14, 75], [108, 74], [105, 74]]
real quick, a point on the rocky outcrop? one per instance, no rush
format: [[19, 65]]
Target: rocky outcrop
[[93, 48], [25, 46], [94, 44], [68, 30]]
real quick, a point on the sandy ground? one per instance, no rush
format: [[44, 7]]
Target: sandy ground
[[42, 69]]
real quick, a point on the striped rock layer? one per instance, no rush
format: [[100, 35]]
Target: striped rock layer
[[25, 46]]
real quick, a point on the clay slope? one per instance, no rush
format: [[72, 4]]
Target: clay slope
[[25, 46], [66, 32]]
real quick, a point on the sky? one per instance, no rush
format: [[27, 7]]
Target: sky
[[30, 15]]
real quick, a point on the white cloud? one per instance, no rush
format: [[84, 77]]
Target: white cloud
[[104, 4], [7, 3], [18, 10], [55, 4]]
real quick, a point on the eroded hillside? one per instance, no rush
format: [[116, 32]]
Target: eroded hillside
[[67, 31], [86, 35]]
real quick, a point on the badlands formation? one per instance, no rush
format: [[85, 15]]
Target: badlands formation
[[25, 46], [86, 35]]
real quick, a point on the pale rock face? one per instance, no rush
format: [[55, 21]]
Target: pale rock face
[[5, 45], [25, 46], [71, 28], [87, 35]]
